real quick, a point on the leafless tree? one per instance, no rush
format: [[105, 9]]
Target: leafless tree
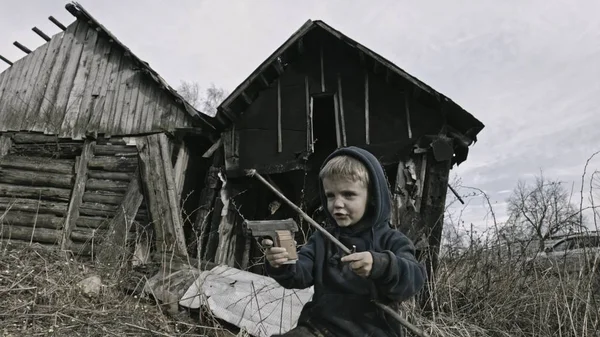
[[208, 102], [542, 210]]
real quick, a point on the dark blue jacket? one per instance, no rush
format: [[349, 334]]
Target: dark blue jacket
[[342, 302]]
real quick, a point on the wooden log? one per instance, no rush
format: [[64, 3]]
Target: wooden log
[[57, 23], [114, 176], [120, 226], [31, 178], [44, 235], [22, 47], [99, 210], [7, 61], [310, 147], [33, 206], [59, 150], [114, 164], [5, 144], [41, 34], [168, 236], [115, 150], [87, 235], [32, 220], [102, 197], [432, 212], [106, 185], [172, 199], [37, 164], [32, 192], [78, 191], [92, 222]]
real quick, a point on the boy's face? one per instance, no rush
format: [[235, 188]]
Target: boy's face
[[346, 200]]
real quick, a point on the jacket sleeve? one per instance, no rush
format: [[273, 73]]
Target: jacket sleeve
[[300, 274], [396, 272]]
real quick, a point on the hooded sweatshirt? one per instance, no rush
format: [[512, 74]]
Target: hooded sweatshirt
[[342, 302]]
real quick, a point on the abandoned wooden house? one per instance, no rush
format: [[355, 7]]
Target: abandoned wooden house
[[92, 139], [320, 91]]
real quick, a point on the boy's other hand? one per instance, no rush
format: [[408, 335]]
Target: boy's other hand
[[360, 263], [276, 256]]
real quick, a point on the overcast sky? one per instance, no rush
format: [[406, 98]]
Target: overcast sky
[[529, 70]]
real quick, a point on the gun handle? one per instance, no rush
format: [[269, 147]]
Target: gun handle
[[286, 240]]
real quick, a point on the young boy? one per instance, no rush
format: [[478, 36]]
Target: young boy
[[355, 193]]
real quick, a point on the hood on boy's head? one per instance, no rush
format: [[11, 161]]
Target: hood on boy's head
[[379, 194]]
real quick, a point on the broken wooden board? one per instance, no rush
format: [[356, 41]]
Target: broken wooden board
[[250, 301]]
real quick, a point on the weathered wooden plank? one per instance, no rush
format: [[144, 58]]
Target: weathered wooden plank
[[83, 83], [132, 100], [115, 150], [34, 206], [142, 100], [4, 77], [341, 105], [279, 136], [32, 178], [6, 108], [34, 114], [26, 219], [37, 164], [18, 103], [115, 164], [48, 108], [150, 106], [63, 105], [98, 210], [78, 191], [102, 197], [160, 111], [58, 150], [102, 103], [43, 193], [120, 225], [126, 78], [115, 176], [27, 121], [30, 234], [367, 128], [181, 164], [106, 185], [173, 200], [92, 222]]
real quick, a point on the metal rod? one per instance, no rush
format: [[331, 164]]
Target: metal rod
[[41, 34], [57, 23], [388, 310], [22, 47]]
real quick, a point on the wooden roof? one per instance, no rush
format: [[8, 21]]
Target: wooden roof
[[85, 81], [273, 67]]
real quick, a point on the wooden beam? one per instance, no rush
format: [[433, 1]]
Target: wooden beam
[[367, 128], [407, 112], [212, 148], [57, 23], [179, 236], [322, 70], [181, 165], [279, 135], [22, 47], [341, 103], [7, 61], [5, 145], [41, 34], [336, 112], [264, 80], [114, 245], [309, 118], [246, 98], [77, 194], [278, 66]]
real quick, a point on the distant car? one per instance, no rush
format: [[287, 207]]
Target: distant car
[[571, 254]]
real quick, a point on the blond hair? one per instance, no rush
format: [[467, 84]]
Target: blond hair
[[345, 167]]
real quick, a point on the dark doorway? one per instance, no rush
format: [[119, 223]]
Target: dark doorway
[[324, 127]]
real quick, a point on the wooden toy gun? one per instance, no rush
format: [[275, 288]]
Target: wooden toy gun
[[281, 232]]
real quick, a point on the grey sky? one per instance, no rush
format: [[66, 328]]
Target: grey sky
[[529, 70]]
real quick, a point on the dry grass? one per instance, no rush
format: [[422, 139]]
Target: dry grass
[[40, 295]]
